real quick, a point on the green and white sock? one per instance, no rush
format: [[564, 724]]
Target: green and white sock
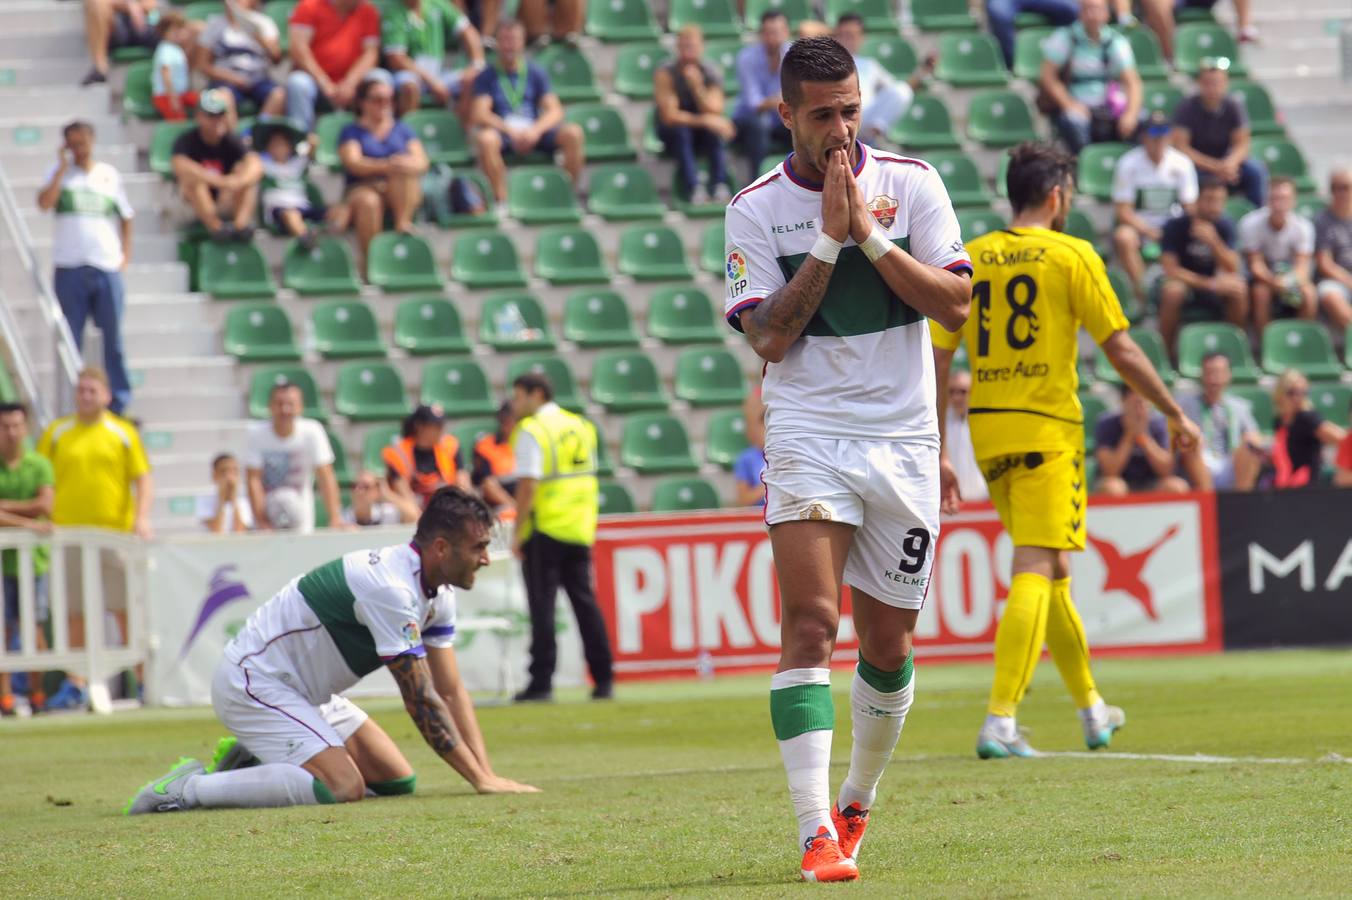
[[276, 784], [879, 702], [803, 717]]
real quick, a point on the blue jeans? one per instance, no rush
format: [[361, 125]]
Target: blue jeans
[[83, 292], [1002, 13], [1074, 131], [686, 144], [1253, 179], [41, 610], [301, 94], [756, 131]]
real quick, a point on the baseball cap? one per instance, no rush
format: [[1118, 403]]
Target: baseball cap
[[213, 102], [1158, 125], [426, 415], [1213, 64]]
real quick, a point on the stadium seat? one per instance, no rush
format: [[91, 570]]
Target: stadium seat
[[1092, 408], [442, 137], [684, 495], [514, 321], [710, 208], [709, 376], [570, 74], [1151, 343], [1260, 403], [716, 18], [1084, 368], [1237, 207], [1000, 119], [604, 133], [621, 191], [162, 146], [942, 15], [1301, 345], [725, 437], [614, 498], [312, 194], [402, 262], [605, 466], [458, 386], [1097, 162], [1331, 401], [370, 392], [878, 15], [656, 443], [429, 325], [970, 59], [467, 433], [1162, 98], [373, 445], [598, 318], [1198, 340], [486, 219], [199, 10], [234, 272], [653, 253], [1283, 158], [962, 178], [893, 52], [136, 95], [796, 11], [1001, 176], [260, 385], [327, 129], [541, 195], [1347, 348], [279, 11], [973, 223], [1078, 224], [634, 68], [683, 314], [1310, 206], [624, 381], [925, 126], [622, 20], [346, 329], [570, 254], [1126, 295], [486, 259], [1258, 103], [1028, 52], [560, 376], [327, 269], [342, 466], [712, 256], [723, 53], [1150, 64], [1196, 41], [260, 332]]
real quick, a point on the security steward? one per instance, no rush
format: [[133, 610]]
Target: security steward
[[494, 469], [425, 458]]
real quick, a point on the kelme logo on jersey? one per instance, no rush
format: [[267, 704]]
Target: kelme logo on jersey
[[884, 209], [737, 272], [411, 635]]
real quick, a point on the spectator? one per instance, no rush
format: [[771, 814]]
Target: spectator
[[1132, 448], [1159, 15], [26, 481], [375, 503], [757, 113], [1299, 435], [517, 111], [91, 247], [285, 188], [425, 458], [884, 99], [958, 438], [226, 509], [688, 93], [750, 463], [1333, 252], [383, 164], [493, 472], [170, 77], [1278, 246], [1342, 474], [283, 458], [235, 52], [334, 44], [217, 174], [1201, 267], [1152, 184], [414, 38], [1233, 449], [561, 20], [113, 24], [1000, 16], [1089, 81], [1212, 128]]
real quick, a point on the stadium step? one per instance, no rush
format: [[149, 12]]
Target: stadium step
[[75, 102], [200, 438], [182, 337], [155, 406], [40, 72], [21, 132], [35, 162], [207, 372], [180, 472]]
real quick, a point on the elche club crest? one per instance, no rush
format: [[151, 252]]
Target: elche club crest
[[884, 209]]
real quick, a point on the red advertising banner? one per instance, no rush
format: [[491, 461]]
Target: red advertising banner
[[683, 593]]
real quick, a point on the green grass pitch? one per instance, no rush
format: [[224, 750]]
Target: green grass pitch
[[675, 790]]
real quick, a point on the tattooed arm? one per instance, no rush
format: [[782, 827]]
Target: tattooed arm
[[776, 322]]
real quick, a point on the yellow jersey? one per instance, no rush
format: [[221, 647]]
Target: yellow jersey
[[1032, 290], [95, 466]]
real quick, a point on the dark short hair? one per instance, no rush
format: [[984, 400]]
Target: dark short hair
[[7, 408], [220, 458], [821, 59], [75, 126], [449, 512], [364, 89], [284, 386], [1035, 168], [534, 382], [850, 17], [772, 14]]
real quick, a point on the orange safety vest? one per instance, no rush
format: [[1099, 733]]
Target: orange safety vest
[[399, 457], [501, 459]]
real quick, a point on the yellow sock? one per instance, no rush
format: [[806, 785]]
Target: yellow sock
[[1018, 641], [1070, 650]]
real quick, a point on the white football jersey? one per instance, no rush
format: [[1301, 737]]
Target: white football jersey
[[863, 367]]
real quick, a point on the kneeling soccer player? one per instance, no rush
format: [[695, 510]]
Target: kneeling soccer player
[[276, 689]]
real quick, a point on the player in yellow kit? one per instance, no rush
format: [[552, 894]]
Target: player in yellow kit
[[1033, 289]]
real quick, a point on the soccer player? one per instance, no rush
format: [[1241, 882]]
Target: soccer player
[[834, 259], [277, 687], [1032, 289]]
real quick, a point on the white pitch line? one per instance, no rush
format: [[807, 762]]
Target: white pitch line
[[1199, 758]]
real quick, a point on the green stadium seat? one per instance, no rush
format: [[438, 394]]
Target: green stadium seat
[[1000, 119], [467, 434], [1162, 98], [458, 386], [604, 133], [723, 53], [634, 69], [1263, 119], [1078, 224], [486, 259], [1310, 206], [1150, 64], [1237, 207], [614, 498], [598, 318], [796, 11], [1347, 348], [942, 15], [1300, 345], [970, 59], [925, 126], [622, 191], [1331, 401], [1097, 162], [725, 437], [327, 129], [973, 223], [624, 381], [346, 329], [342, 466], [373, 445], [260, 385], [442, 137], [327, 269], [656, 443], [1084, 368], [709, 376], [260, 332], [541, 195], [514, 321], [570, 74], [1195, 41], [429, 325], [1283, 158], [1198, 340], [570, 254], [716, 18], [234, 272], [684, 495], [878, 15], [622, 20], [712, 256], [402, 262], [136, 95], [1260, 403], [1126, 295], [683, 314], [1001, 176], [560, 377], [707, 210], [1151, 343], [1092, 408], [279, 11], [653, 253], [893, 52], [200, 10], [370, 392], [962, 178], [604, 465], [486, 219], [162, 146], [1028, 52]]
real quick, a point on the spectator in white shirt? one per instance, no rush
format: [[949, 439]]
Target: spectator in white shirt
[[1152, 184], [883, 98], [284, 457], [1278, 247], [958, 438], [374, 502], [226, 509]]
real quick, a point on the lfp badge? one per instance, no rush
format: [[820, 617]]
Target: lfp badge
[[737, 272]]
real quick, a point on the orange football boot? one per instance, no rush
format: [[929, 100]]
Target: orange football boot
[[850, 826], [823, 860]]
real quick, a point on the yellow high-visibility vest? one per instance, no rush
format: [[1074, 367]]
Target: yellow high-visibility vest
[[566, 496]]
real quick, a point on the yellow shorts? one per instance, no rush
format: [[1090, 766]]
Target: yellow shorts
[[1041, 497]]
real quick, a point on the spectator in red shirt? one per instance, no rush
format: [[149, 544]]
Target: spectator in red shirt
[[1342, 475], [1300, 434], [334, 44]]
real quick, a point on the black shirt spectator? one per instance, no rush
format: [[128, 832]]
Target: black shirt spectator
[[1210, 131], [1137, 473], [220, 157], [1298, 441], [1194, 255]]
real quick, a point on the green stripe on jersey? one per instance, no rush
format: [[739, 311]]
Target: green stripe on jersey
[[857, 299], [73, 201], [801, 708], [326, 592]]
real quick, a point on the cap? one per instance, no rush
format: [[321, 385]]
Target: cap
[[381, 75], [426, 415], [1158, 125], [213, 102], [266, 126], [1213, 64]]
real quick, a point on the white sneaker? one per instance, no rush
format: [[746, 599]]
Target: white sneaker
[[722, 193], [1000, 738], [1100, 722], [699, 195]]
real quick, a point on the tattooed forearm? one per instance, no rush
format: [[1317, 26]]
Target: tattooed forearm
[[778, 320], [424, 704]]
